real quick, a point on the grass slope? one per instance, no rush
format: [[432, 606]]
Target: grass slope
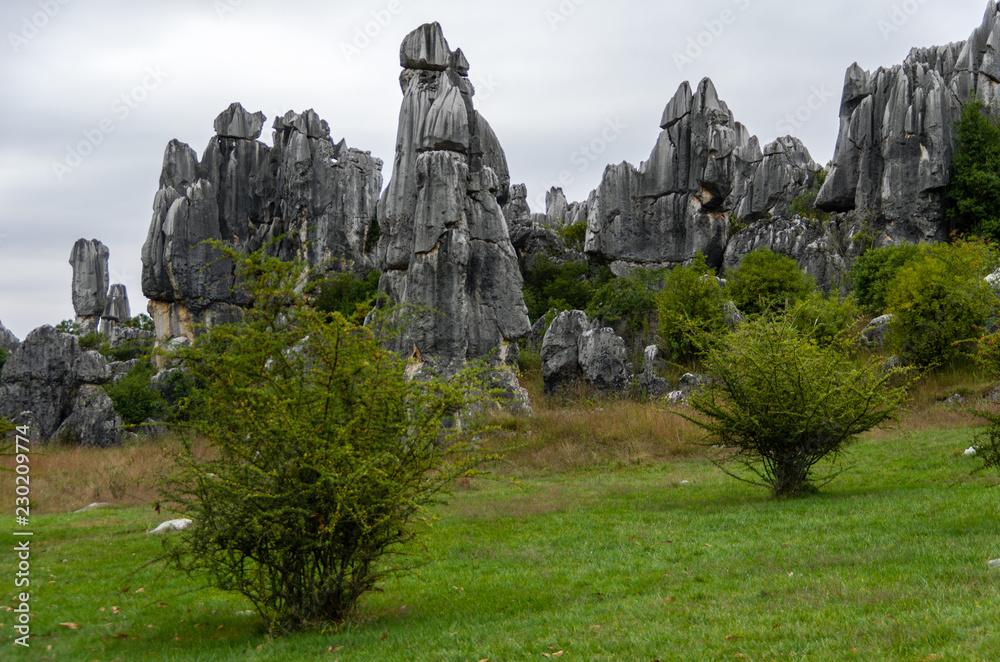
[[616, 562]]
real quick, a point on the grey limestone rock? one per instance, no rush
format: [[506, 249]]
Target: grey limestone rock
[[236, 122], [92, 420], [875, 333], [444, 243], [89, 259], [7, 339], [426, 48], [39, 377], [603, 359], [560, 348], [319, 196], [897, 134], [91, 367], [649, 381], [117, 309]]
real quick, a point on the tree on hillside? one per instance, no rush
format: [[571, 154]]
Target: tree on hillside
[[780, 404], [973, 194], [322, 457]]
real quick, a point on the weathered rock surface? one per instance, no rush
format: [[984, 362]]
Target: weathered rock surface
[[92, 420], [172, 525], [651, 383], [320, 197], [704, 166], [897, 132], [91, 367], [89, 259], [39, 377], [560, 347], [875, 333], [444, 243], [7, 339], [603, 359]]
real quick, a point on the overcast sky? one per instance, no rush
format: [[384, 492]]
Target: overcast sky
[[93, 90]]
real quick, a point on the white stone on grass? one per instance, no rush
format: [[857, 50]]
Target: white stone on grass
[[172, 525]]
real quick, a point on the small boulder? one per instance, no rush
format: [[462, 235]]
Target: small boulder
[[92, 421], [970, 451], [92, 368], [875, 333], [604, 359], [172, 525], [560, 354]]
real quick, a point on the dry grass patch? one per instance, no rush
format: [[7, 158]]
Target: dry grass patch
[[66, 478]]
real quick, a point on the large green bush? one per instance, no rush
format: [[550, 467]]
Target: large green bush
[[692, 309], [780, 404], [134, 399], [940, 301], [563, 286], [973, 193], [873, 272], [323, 456], [766, 281], [627, 301], [827, 320]]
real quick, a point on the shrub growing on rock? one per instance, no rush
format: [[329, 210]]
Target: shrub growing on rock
[[827, 320], [628, 301], [780, 404], [323, 457], [766, 281], [134, 399]]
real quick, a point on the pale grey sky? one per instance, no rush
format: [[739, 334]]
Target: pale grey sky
[[93, 90]]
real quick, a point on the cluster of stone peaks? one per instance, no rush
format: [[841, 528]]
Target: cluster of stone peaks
[[455, 235]]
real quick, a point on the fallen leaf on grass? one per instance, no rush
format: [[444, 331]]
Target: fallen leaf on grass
[[121, 635], [384, 635], [140, 590], [115, 610], [732, 637], [220, 627], [161, 604], [71, 626], [331, 649], [671, 599]]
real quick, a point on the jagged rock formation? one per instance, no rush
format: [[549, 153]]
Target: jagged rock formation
[[92, 420], [896, 137], [318, 197], [573, 349], [7, 339], [89, 259], [704, 166], [445, 243], [117, 309]]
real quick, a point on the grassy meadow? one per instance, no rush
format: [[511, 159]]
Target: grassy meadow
[[617, 539]]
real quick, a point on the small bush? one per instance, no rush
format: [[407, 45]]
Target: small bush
[[323, 458], [4, 355], [371, 237], [692, 309], [872, 273], [781, 404], [347, 294], [142, 321], [766, 281], [574, 235], [69, 326], [134, 399], [92, 340], [941, 302], [826, 320], [130, 349]]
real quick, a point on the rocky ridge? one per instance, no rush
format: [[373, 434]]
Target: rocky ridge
[[305, 198]]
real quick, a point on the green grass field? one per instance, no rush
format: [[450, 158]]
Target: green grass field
[[616, 560]]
